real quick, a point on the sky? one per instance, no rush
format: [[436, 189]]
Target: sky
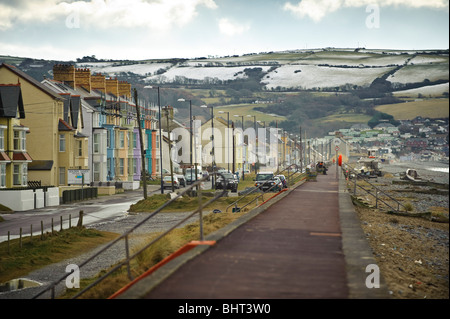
[[157, 29]]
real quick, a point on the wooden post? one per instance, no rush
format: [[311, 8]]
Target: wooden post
[[376, 198], [200, 212], [80, 219], [70, 220], [52, 226], [42, 230], [141, 143], [20, 238], [31, 233], [127, 251], [61, 221], [8, 241]]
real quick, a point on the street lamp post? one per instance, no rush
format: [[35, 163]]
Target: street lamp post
[[190, 136], [141, 142], [228, 138], [256, 146], [265, 140], [213, 164], [160, 136], [242, 149]]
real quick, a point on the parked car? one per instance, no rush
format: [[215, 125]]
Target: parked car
[[279, 184], [283, 180], [222, 170], [182, 180], [167, 182], [227, 180], [266, 181], [190, 178]]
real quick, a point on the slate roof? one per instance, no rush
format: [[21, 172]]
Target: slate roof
[[31, 80], [64, 126], [11, 101]]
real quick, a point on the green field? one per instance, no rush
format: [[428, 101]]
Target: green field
[[248, 109], [348, 118], [431, 108]]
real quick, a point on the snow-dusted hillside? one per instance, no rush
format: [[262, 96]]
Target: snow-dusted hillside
[[307, 69], [313, 76], [429, 90], [200, 73]]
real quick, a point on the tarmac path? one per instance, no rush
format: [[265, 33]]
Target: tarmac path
[[291, 250]]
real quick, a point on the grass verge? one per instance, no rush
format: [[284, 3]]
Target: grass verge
[[52, 248]]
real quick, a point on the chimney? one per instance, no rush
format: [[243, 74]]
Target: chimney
[[125, 89], [98, 82], [64, 73], [112, 86], [83, 79]]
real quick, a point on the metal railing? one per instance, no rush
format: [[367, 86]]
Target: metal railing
[[256, 189], [377, 191], [125, 236]]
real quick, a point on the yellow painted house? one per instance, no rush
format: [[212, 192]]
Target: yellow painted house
[[14, 159], [55, 142]]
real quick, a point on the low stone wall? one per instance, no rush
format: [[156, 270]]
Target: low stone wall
[[26, 199], [106, 190]]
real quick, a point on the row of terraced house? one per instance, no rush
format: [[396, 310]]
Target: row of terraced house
[[75, 125]]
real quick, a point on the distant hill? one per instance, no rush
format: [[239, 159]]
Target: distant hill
[[328, 69], [316, 70], [272, 77]]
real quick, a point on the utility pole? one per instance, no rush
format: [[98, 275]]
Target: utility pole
[[234, 155], [144, 173], [301, 151], [170, 149]]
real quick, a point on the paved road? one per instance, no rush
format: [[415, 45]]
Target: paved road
[[102, 209], [95, 211]]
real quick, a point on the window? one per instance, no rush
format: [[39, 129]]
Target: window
[[80, 148], [96, 143], [24, 174], [134, 167], [2, 175], [134, 140], [157, 165], [108, 139], [19, 141], [20, 174], [62, 143], [16, 174], [121, 166], [121, 139], [62, 176], [96, 172], [2, 139]]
